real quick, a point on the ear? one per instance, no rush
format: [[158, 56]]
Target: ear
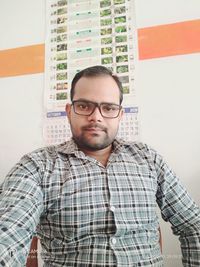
[[68, 111]]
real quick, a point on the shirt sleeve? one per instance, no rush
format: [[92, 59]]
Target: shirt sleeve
[[180, 210], [21, 204]]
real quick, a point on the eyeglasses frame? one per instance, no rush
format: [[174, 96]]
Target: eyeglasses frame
[[97, 105]]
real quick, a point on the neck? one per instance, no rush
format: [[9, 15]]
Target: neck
[[101, 155]]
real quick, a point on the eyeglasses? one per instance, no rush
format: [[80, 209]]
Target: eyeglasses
[[86, 108]]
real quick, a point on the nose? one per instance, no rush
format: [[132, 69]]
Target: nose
[[96, 115]]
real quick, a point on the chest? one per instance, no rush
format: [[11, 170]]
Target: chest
[[85, 192]]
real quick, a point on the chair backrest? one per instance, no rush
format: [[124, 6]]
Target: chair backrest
[[160, 239]]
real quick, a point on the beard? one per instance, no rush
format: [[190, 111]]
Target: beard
[[93, 141]]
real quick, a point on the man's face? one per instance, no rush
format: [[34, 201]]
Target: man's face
[[94, 132]]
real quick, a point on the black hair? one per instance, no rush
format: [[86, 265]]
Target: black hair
[[96, 71]]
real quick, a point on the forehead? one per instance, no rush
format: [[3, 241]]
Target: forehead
[[98, 89]]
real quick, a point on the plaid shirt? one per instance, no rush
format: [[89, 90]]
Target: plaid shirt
[[91, 215]]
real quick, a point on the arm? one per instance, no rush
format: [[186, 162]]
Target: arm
[[179, 209], [21, 204]]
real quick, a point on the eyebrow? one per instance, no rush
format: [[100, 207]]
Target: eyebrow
[[86, 100]]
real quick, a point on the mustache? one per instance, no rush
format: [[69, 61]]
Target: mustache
[[95, 125]]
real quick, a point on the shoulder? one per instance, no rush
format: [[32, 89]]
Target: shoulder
[[135, 147], [138, 150], [52, 151], [44, 156]]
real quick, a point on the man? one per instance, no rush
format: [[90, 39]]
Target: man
[[93, 198]]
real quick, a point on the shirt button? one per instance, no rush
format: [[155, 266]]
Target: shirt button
[[114, 241], [112, 208]]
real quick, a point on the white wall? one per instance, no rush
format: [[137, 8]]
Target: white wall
[[168, 90], [170, 121], [21, 97], [169, 105]]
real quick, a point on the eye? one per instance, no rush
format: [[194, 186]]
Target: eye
[[110, 107], [82, 106]]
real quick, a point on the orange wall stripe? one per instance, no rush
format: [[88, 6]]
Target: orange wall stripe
[[153, 42], [169, 40], [22, 60]]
